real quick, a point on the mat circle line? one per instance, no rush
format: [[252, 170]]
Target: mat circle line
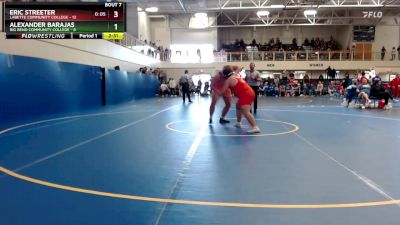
[[188, 202], [295, 128], [192, 202]]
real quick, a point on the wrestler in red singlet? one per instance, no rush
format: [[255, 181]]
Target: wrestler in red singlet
[[245, 95], [217, 83], [243, 91]]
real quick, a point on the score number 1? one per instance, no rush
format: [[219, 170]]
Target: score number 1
[[115, 16]]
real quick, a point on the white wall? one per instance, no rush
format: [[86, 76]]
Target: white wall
[[91, 52], [132, 19], [182, 34], [344, 36], [174, 29], [144, 26], [285, 34], [176, 73], [160, 32], [194, 36], [387, 36]]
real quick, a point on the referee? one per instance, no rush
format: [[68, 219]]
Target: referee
[[184, 83], [252, 79]]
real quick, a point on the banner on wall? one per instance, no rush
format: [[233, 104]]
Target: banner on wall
[[220, 57]]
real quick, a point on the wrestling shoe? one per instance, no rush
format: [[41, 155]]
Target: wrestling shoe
[[254, 130], [222, 121]]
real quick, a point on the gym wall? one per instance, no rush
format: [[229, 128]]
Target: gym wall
[[33, 87], [122, 86]]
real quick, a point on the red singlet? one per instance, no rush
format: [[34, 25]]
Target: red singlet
[[243, 91]]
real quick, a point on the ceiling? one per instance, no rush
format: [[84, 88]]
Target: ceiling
[[179, 6], [233, 13]]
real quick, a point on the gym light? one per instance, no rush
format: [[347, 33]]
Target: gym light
[[200, 15], [263, 13], [151, 9], [310, 12], [277, 6], [139, 9]]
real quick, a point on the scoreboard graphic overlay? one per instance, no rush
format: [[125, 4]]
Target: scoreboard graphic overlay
[[64, 20]]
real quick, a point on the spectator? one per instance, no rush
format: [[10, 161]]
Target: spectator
[[393, 53], [339, 87], [320, 88], [206, 88], [276, 45], [395, 86], [329, 72], [283, 83], [353, 51], [331, 88], [293, 85], [362, 78], [306, 79], [166, 54], [376, 79], [306, 42], [172, 86], [164, 90], [321, 78], [199, 54], [364, 93], [398, 53], [192, 87], [378, 91], [383, 51], [144, 70], [199, 86], [346, 81], [351, 92]]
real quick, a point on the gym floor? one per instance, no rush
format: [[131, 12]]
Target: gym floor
[[159, 162]]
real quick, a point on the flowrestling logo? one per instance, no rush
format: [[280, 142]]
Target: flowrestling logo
[[373, 14], [41, 36]]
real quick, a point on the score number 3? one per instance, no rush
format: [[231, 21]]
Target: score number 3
[[116, 15]]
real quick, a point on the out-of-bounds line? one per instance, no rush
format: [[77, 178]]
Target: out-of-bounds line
[[186, 165], [66, 118], [374, 186], [37, 128], [89, 140], [201, 203], [371, 184], [331, 113]]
